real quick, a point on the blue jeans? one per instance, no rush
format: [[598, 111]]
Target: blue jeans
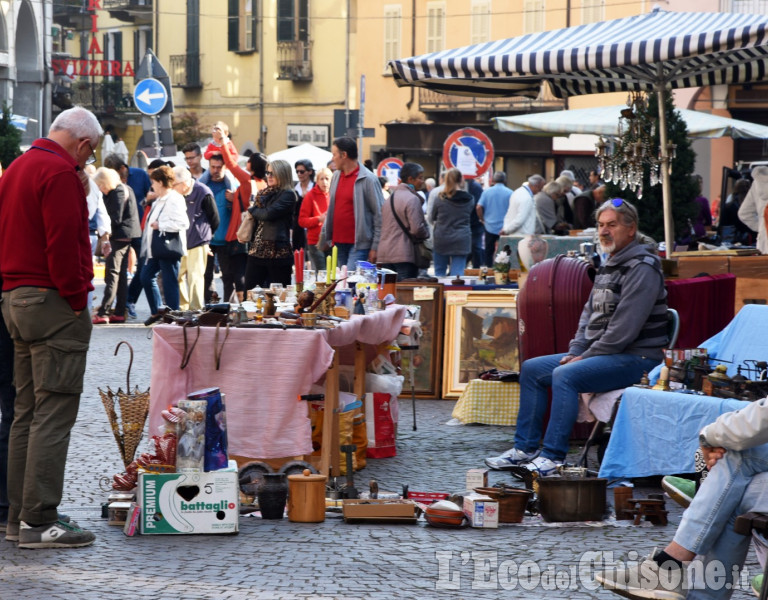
[[450, 264], [738, 483], [349, 255], [7, 398], [594, 374], [170, 271]]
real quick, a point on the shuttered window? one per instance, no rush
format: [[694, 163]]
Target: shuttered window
[[533, 17], [480, 21], [392, 33], [435, 26]]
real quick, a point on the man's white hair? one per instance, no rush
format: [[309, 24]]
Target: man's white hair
[[79, 123]]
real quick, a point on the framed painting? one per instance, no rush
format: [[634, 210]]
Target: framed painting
[[480, 334], [428, 359]]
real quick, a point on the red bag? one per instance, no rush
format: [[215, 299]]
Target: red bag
[[380, 411]]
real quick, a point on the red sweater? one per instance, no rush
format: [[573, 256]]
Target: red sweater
[[44, 238], [312, 213]]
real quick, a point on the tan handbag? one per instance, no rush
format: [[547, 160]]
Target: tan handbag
[[247, 222]]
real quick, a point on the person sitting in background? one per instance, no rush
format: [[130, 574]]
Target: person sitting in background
[[451, 214], [584, 207], [168, 214], [314, 208], [622, 332], [124, 217], [402, 222]]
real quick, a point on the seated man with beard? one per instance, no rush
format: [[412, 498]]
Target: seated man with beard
[[622, 332]]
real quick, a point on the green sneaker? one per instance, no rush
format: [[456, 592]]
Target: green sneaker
[[757, 584], [57, 535], [680, 490]]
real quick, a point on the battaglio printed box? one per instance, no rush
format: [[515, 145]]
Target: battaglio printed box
[[173, 503]]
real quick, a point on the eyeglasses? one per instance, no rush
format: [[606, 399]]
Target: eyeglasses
[[92, 158], [269, 174], [300, 172], [191, 157], [617, 202]]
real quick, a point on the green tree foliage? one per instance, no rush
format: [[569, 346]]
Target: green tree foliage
[[10, 139], [684, 188], [186, 129]]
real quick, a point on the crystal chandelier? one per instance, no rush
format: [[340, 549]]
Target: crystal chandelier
[[622, 160]]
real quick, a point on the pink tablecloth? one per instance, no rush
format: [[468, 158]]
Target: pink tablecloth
[[262, 372]]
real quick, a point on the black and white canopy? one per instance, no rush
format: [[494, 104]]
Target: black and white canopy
[[641, 53]]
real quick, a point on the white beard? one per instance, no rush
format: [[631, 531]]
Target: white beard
[[608, 248]]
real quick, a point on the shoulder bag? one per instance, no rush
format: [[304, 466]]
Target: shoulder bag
[[422, 253], [247, 222], [166, 245]]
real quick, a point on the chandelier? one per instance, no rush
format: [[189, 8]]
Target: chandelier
[[622, 159]]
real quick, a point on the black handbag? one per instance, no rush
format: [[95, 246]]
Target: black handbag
[[166, 245], [423, 255]]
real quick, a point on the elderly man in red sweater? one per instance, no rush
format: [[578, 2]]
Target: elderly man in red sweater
[[46, 266]]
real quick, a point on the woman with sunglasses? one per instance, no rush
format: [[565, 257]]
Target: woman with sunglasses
[[270, 256], [306, 174]]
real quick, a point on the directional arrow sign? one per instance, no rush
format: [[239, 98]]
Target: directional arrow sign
[[150, 96]]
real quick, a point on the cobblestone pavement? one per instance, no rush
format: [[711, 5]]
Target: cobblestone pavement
[[283, 560]]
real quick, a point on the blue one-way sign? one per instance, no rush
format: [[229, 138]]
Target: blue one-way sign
[[150, 96]]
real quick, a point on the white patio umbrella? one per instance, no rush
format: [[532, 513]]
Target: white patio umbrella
[[317, 156], [604, 121], [654, 52]]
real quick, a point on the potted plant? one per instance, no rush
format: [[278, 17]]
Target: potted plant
[[501, 267]]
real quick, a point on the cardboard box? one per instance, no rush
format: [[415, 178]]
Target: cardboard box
[[173, 503], [380, 510], [118, 513], [477, 478], [482, 511]]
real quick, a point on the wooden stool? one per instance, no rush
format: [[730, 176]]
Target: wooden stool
[[747, 523], [651, 509]]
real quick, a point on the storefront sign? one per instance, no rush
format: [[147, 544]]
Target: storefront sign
[[88, 68], [317, 135]]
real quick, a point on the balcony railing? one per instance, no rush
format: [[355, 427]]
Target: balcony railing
[[185, 70], [294, 61], [104, 98], [744, 6], [131, 11], [70, 13], [431, 101]]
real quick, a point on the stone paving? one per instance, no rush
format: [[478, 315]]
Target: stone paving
[[330, 560]]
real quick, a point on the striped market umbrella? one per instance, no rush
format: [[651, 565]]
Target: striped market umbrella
[[657, 51], [604, 121]]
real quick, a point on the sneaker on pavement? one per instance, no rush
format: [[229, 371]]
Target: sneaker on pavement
[[116, 319], [545, 466], [57, 535], [511, 458], [131, 310], [99, 320], [646, 580], [757, 584], [679, 489]]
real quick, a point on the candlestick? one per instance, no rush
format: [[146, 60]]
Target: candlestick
[[343, 271], [328, 269], [301, 262], [334, 261]]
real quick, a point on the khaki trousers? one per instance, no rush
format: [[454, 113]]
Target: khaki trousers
[[51, 346], [192, 278]]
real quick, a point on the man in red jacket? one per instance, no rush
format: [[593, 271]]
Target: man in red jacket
[[46, 267]]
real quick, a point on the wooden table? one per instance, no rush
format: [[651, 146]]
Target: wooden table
[[263, 372]]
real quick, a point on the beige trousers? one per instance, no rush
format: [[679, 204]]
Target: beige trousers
[[192, 278]]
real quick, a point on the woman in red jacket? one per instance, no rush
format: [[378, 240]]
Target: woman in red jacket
[[252, 180], [312, 216]]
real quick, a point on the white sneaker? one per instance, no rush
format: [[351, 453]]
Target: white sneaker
[[511, 458], [545, 466]]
